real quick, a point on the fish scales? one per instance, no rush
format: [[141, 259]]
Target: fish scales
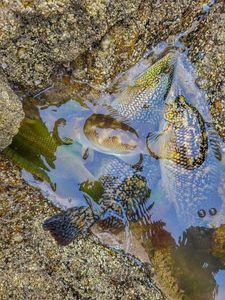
[[188, 163], [141, 101], [125, 198], [193, 192]]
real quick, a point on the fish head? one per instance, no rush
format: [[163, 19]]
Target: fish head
[[134, 188], [176, 112], [110, 135]]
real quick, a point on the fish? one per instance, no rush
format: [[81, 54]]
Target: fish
[[189, 155], [143, 100], [110, 135], [217, 109], [184, 139], [126, 197]]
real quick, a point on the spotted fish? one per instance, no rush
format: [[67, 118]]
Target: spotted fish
[[144, 99], [217, 108], [110, 135], [189, 157], [184, 139], [125, 198]]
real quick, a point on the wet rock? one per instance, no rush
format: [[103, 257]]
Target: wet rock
[[124, 44], [34, 267], [49, 33], [11, 113], [93, 39], [219, 243], [207, 51]]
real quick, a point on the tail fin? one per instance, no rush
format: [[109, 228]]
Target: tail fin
[[68, 225]]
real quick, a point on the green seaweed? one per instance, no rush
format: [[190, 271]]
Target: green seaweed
[[33, 148], [92, 188]]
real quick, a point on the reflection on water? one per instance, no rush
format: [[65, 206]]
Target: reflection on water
[[144, 166]]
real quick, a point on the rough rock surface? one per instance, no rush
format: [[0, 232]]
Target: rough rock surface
[[11, 113], [32, 266], [207, 52], [93, 39]]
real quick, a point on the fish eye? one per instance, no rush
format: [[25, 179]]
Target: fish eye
[[167, 69], [146, 106], [212, 211], [201, 213], [181, 99], [169, 115]]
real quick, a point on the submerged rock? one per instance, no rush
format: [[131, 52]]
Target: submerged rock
[[11, 113]]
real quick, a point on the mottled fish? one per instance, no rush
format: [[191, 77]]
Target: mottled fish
[[125, 198], [110, 135], [189, 156], [217, 108], [144, 99]]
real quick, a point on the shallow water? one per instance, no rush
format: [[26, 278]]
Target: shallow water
[[186, 250]]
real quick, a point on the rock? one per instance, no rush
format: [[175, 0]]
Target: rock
[[32, 266], [124, 44], [11, 113], [207, 52], [93, 39]]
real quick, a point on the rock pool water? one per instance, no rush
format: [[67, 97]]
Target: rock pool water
[[187, 255]]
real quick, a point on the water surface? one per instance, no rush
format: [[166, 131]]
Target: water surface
[[183, 240]]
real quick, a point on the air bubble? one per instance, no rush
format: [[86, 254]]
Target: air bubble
[[201, 213], [212, 211]]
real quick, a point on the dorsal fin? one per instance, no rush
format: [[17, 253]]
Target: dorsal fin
[[214, 141], [95, 207], [156, 144], [116, 115]]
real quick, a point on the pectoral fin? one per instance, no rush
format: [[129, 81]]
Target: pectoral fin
[[68, 225], [85, 153], [214, 141], [153, 144], [161, 144], [95, 207]]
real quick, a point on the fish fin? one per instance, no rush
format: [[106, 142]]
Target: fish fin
[[151, 206], [55, 132], [153, 145], [85, 152], [214, 141], [130, 159], [139, 165], [68, 225], [156, 143], [116, 115], [66, 140], [216, 147], [95, 207]]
